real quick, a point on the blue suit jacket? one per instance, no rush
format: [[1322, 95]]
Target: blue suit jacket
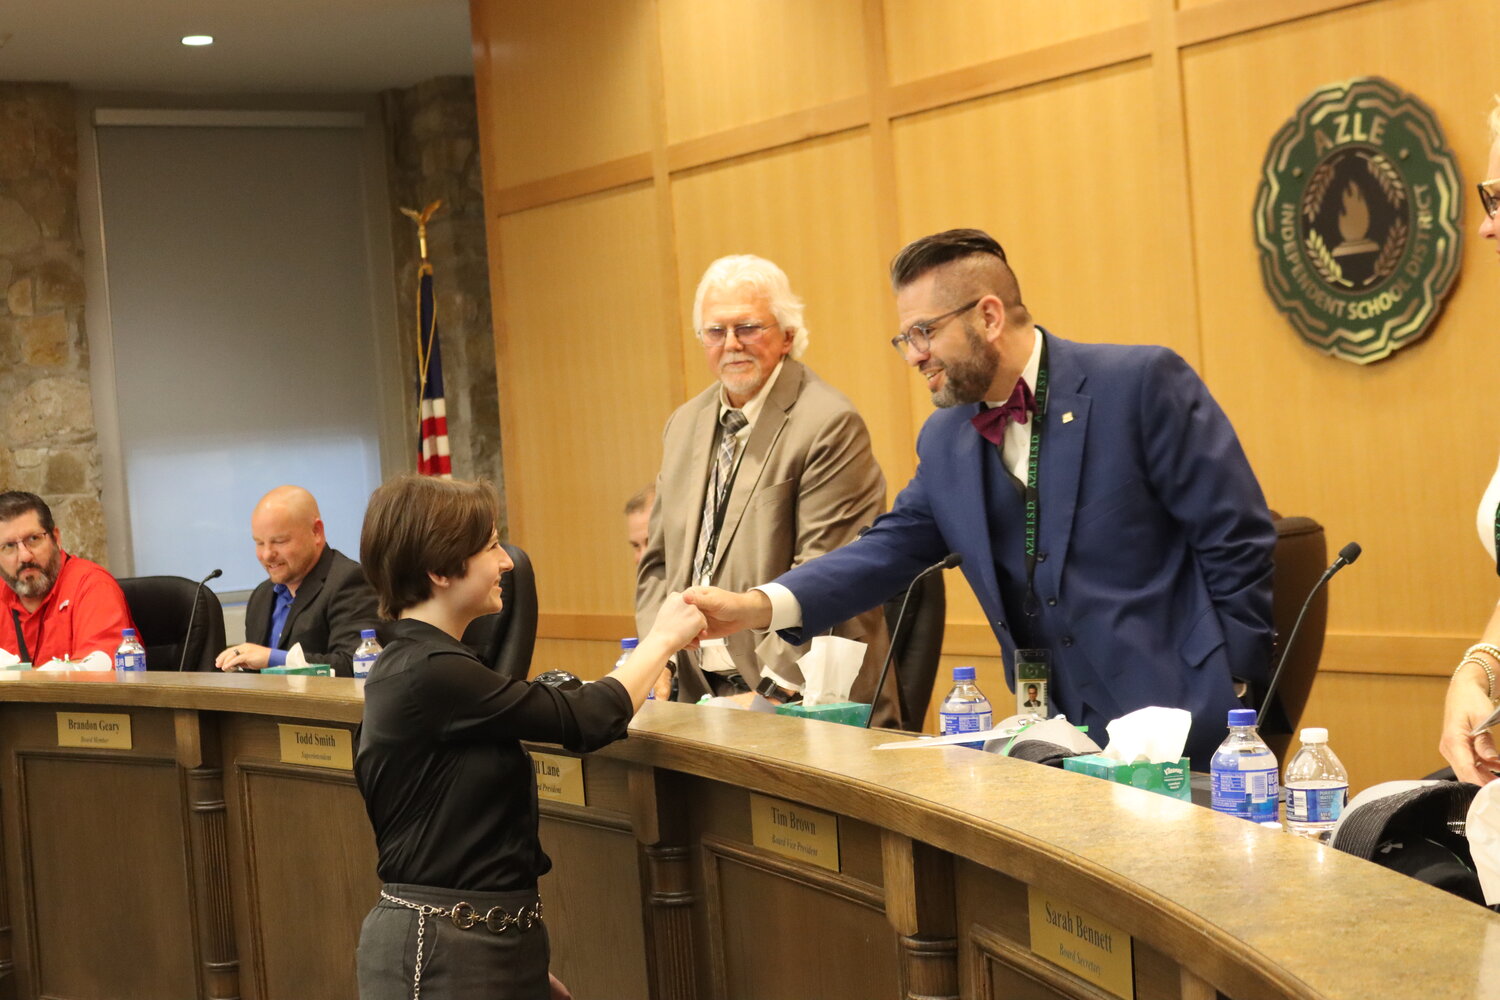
[[1155, 543]]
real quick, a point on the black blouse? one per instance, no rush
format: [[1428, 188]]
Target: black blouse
[[448, 788]]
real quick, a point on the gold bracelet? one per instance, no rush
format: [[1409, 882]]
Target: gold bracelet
[[1489, 674], [1484, 647]]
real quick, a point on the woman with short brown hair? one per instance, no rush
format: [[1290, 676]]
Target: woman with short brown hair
[[448, 787]]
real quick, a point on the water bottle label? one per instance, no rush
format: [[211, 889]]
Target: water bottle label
[[964, 722], [362, 665], [130, 661], [1315, 805], [1248, 794]]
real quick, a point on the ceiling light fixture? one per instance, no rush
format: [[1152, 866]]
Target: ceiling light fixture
[[197, 39]]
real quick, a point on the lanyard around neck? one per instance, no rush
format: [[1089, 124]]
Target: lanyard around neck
[[1033, 495]]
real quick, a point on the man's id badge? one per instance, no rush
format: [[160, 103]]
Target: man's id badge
[[1033, 674]]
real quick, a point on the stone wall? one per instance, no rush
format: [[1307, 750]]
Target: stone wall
[[47, 440], [433, 136]]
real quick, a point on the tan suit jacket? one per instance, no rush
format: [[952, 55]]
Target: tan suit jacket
[[806, 484]]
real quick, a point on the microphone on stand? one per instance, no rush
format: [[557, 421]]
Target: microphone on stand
[[189, 633], [951, 561], [1347, 555]]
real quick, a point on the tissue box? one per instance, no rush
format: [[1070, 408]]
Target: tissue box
[[850, 713], [17, 666], [1168, 779], [312, 669]]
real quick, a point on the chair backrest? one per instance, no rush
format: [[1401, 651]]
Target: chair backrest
[[505, 640], [161, 606], [1300, 557], [918, 647]]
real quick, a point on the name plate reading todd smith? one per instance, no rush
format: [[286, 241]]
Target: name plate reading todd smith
[[315, 747], [559, 778], [1080, 942], [90, 729], [795, 832]]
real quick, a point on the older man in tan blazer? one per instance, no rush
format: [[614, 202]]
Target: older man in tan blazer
[[765, 469]]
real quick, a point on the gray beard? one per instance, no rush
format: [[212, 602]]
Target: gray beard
[[33, 589]]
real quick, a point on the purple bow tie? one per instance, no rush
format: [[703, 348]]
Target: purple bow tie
[[990, 423]]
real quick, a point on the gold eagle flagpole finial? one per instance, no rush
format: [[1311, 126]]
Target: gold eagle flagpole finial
[[420, 218]]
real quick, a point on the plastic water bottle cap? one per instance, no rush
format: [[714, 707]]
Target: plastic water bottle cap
[[1242, 716], [1314, 734], [963, 673], [629, 643], [129, 634], [367, 633]]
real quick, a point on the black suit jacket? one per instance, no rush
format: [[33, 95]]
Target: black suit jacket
[[333, 603]]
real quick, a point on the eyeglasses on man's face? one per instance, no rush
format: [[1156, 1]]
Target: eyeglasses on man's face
[[919, 335], [32, 542], [745, 333], [1487, 199]]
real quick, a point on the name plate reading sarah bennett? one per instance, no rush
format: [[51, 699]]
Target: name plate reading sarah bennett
[[93, 730], [795, 832], [316, 747], [559, 778], [1080, 942]]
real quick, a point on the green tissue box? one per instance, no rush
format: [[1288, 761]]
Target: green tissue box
[[17, 666], [1168, 779], [850, 713], [311, 670]]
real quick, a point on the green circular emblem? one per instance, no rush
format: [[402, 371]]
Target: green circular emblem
[[1357, 219]]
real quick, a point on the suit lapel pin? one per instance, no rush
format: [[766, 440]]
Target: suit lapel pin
[[1067, 418]]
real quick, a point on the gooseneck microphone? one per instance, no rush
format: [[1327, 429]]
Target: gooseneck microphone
[[187, 635], [951, 561], [1347, 555]]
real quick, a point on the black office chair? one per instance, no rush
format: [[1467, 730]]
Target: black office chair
[[920, 646], [506, 639], [1300, 557], [161, 606]]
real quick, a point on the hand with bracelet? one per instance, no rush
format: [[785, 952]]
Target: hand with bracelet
[[1469, 701]]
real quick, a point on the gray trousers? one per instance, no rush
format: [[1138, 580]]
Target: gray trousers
[[474, 964]]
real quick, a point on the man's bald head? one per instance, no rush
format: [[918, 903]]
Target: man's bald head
[[288, 533]]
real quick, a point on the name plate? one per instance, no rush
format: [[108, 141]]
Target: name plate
[[1076, 940], [795, 832], [316, 747], [91, 729], [559, 778]]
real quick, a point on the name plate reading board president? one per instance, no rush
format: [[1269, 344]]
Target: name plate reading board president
[[314, 747], [1081, 943], [93, 730], [795, 832], [559, 778]]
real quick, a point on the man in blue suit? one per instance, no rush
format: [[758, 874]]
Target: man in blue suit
[[1099, 497]]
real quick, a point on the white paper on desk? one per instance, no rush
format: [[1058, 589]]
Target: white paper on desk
[[97, 660], [7, 658], [1483, 826], [922, 742]]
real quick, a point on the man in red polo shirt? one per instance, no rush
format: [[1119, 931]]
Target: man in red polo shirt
[[63, 606]]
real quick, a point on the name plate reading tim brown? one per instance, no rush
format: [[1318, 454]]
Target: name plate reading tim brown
[[559, 778], [795, 832], [316, 747], [93, 730], [1076, 940]]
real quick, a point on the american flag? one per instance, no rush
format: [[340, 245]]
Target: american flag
[[432, 434]]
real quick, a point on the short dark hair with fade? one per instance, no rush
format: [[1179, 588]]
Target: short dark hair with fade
[[14, 503], [920, 256], [416, 525]]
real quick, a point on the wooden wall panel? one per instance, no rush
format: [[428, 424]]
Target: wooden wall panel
[[734, 62], [925, 37], [588, 388], [567, 84], [1384, 728], [1394, 454], [807, 208]]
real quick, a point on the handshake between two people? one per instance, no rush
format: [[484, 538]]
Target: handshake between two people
[[684, 619]]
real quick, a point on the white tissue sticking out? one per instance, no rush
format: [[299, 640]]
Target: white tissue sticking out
[[295, 657], [829, 669], [1155, 734], [1484, 839]]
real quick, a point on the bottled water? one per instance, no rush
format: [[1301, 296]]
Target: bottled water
[[1316, 786], [965, 709], [131, 655], [1244, 772], [364, 656], [627, 646]]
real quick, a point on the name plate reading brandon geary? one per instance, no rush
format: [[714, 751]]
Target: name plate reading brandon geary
[[93, 730], [795, 831], [315, 747]]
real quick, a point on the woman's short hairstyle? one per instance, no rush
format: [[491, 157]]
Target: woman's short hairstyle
[[748, 271], [416, 525]]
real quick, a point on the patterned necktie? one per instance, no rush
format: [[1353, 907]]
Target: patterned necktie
[[718, 489], [991, 422]]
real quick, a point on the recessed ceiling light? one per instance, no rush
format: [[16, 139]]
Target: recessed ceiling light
[[197, 39]]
